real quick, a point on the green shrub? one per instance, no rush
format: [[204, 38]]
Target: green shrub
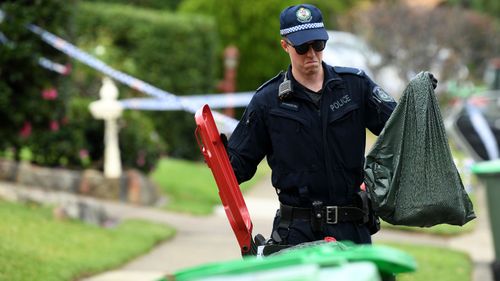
[[80, 141], [140, 143], [173, 52], [140, 146], [28, 115], [89, 152]]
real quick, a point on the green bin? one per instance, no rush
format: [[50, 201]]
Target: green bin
[[489, 173], [326, 261], [359, 271]]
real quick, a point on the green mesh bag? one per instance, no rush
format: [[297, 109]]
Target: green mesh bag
[[410, 173]]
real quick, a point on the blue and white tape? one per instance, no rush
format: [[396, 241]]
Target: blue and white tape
[[163, 99], [213, 100], [54, 66], [44, 62], [74, 52]]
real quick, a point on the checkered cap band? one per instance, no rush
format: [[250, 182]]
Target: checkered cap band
[[305, 26]]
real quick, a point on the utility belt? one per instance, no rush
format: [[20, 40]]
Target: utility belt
[[319, 215], [323, 214]]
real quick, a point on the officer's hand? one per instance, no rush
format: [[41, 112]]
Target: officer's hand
[[223, 139], [433, 80]]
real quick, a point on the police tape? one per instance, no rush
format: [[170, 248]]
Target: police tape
[[44, 62], [213, 100], [3, 39], [226, 123], [76, 53], [54, 66]]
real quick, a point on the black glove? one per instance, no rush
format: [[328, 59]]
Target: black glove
[[223, 139], [433, 80]]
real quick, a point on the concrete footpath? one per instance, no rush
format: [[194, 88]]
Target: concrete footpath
[[206, 239]]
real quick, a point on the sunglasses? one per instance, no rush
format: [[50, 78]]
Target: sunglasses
[[317, 45]]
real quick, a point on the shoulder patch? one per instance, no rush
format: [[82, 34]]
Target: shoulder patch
[[348, 70], [382, 95], [275, 78]]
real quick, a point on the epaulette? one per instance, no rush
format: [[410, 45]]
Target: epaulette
[[270, 81], [348, 70]]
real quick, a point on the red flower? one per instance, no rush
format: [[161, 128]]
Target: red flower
[[49, 94], [25, 130], [54, 125], [83, 153], [141, 158]]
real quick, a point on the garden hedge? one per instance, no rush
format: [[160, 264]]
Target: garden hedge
[[176, 53]]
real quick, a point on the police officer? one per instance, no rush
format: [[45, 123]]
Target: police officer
[[310, 123]]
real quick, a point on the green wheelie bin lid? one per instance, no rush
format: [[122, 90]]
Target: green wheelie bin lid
[[486, 167], [356, 271], [333, 254]]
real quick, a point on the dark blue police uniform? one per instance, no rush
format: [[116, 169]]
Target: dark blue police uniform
[[316, 151]]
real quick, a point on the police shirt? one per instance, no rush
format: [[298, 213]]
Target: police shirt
[[312, 156]]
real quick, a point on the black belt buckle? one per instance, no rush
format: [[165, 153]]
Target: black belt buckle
[[332, 219]]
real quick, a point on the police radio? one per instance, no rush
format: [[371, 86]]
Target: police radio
[[285, 89]]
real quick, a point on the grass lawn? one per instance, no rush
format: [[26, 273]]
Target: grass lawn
[[35, 246], [190, 186], [435, 263]]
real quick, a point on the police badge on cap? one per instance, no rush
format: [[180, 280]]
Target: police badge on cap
[[303, 15], [302, 23]]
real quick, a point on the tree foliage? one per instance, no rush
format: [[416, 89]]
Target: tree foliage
[[253, 27], [152, 4], [491, 7], [429, 39]]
